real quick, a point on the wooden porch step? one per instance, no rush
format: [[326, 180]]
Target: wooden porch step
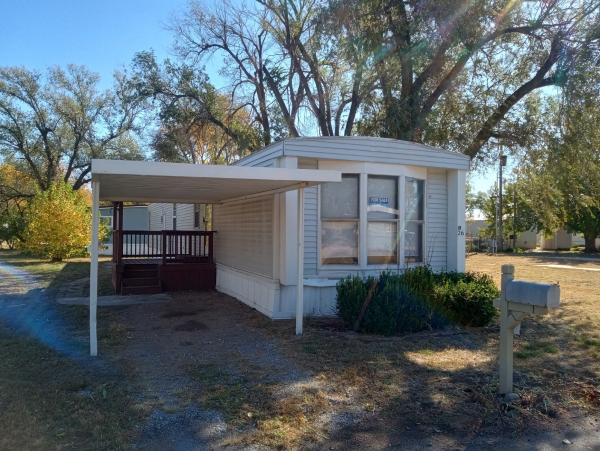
[[140, 273], [140, 281], [151, 289]]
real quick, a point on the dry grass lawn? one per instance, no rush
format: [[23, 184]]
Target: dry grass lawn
[[330, 388], [441, 386]]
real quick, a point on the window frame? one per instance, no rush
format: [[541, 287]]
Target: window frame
[[364, 170], [397, 221], [422, 222], [357, 220]]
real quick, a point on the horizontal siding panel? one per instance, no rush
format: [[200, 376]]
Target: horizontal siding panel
[[375, 150], [244, 238], [262, 157], [185, 216]]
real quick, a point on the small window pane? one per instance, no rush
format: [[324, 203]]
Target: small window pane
[[340, 200], [339, 243], [413, 237], [382, 243], [414, 199], [382, 198]]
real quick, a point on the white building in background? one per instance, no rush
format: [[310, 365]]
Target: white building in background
[[178, 216]]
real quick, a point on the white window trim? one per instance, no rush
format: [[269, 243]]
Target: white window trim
[[364, 170], [360, 222]]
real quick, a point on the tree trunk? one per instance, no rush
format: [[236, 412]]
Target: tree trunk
[[590, 242]]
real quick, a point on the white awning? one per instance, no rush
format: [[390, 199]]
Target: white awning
[[148, 181]]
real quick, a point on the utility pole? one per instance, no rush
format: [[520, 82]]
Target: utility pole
[[514, 245], [500, 237]]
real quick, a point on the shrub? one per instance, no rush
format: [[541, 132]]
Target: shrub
[[417, 299], [351, 293], [467, 299], [58, 223]]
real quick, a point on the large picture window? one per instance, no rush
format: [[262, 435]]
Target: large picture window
[[382, 215], [339, 221], [414, 219]]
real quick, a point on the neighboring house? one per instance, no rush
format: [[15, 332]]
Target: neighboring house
[[559, 240], [135, 217], [167, 216], [526, 240], [367, 205]]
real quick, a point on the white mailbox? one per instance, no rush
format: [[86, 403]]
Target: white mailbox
[[541, 296], [518, 299]]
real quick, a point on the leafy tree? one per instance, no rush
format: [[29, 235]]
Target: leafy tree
[[52, 125], [517, 214], [562, 177], [197, 123], [16, 188], [184, 137], [455, 73], [12, 225], [58, 223]]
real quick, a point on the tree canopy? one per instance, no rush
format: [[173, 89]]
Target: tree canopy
[[562, 177], [454, 73], [53, 124], [58, 223]]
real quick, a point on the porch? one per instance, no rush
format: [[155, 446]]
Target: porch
[[147, 262], [173, 260]]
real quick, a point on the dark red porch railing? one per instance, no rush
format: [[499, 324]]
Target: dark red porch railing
[[168, 245]]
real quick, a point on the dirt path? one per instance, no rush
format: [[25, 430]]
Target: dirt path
[[194, 332], [25, 307]]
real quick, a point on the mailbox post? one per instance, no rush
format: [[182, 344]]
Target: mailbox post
[[519, 299]]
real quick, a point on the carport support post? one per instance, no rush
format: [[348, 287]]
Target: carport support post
[[94, 267], [506, 334], [300, 286]]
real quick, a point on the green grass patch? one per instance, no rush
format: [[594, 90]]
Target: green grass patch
[[50, 402], [536, 349], [589, 342], [54, 275]]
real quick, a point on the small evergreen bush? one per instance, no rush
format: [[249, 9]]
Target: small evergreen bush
[[466, 299], [417, 299]]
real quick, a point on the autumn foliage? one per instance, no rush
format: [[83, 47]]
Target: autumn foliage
[[58, 223]]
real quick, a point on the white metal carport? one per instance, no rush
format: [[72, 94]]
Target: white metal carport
[[146, 181]]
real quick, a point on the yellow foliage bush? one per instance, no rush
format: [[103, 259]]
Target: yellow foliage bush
[[58, 223]]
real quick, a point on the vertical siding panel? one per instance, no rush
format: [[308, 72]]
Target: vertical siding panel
[[437, 219], [310, 222]]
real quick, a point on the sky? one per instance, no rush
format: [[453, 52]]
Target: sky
[[103, 35]]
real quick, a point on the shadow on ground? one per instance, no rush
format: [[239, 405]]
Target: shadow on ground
[[205, 371]]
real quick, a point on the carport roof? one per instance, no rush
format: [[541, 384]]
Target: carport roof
[[149, 181]]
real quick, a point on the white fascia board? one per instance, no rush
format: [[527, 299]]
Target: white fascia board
[[159, 169]]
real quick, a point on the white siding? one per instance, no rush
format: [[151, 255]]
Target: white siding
[[244, 238], [310, 222], [263, 157], [374, 150], [437, 219], [185, 216], [156, 211], [359, 148]]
